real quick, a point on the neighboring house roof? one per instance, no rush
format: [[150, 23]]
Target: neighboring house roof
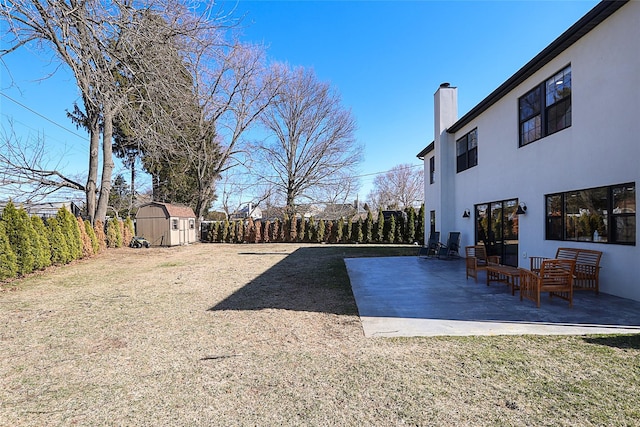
[[174, 210], [588, 22]]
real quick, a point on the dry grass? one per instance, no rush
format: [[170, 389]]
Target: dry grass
[[269, 335]]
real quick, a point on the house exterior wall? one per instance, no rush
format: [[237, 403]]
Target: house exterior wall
[[600, 148]]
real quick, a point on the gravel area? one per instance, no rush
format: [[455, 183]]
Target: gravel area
[[262, 335]]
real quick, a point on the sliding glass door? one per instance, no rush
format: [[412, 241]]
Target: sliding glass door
[[497, 228]]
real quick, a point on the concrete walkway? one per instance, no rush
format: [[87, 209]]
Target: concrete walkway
[[411, 296]]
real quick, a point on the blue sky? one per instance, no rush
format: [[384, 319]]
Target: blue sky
[[386, 58]]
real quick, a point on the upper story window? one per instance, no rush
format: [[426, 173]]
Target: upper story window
[[546, 108], [467, 151], [432, 170], [603, 214]]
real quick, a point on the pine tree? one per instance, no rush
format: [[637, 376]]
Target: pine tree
[[43, 254], [69, 227], [258, 226], [8, 259], [311, 230], [113, 231], [223, 231], [356, 233], [266, 231], [348, 224], [379, 232], [292, 229]]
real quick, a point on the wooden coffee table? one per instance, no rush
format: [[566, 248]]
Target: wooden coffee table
[[506, 274]]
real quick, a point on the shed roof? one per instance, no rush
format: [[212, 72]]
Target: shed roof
[[174, 210]]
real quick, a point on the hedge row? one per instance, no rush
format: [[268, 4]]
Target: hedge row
[[28, 243], [398, 228]]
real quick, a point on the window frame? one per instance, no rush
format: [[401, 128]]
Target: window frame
[[536, 105], [557, 226], [175, 224], [467, 158], [432, 169]]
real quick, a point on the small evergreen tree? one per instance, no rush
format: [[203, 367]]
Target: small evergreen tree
[[21, 236], [129, 231], [223, 231], [8, 259], [367, 231], [356, 232], [391, 234], [302, 231], [330, 231], [275, 231], [320, 234], [348, 225], [420, 226], [258, 226], [43, 252], [101, 237], [92, 235], [282, 229], [114, 238], [251, 230], [379, 231], [71, 232], [60, 253], [311, 230], [266, 231], [339, 230], [410, 228], [87, 247], [293, 235]]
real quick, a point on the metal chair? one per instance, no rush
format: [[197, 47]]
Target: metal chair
[[451, 248]]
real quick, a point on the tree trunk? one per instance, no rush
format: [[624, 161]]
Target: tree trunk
[[92, 178], [107, 166]]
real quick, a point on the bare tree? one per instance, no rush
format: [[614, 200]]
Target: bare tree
[[101, 42], [399, 188], [313, 144]]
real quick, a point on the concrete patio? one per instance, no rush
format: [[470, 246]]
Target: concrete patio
[[411, 296]]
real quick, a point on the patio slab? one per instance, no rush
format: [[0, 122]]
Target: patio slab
[[412, 296]]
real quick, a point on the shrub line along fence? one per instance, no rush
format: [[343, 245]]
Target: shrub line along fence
[[407, 227], [28, 244]]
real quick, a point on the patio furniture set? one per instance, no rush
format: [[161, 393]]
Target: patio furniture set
[[571, 269]]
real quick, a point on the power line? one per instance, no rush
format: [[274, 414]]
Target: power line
[[43, 116]]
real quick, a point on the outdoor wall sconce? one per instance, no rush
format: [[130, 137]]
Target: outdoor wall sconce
[[522, 209], [466, 214]]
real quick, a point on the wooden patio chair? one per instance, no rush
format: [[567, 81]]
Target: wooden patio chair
[[477, 259], [451, 248], [555, 277], [431, 247]]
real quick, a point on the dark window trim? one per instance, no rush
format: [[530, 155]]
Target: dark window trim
[[470, 158], [543, 109], [611, 216], [432, 170]]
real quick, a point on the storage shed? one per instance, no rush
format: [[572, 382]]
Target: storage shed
[[163, 224]]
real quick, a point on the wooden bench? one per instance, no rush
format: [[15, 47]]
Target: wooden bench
[[555, 276], [587, 270], [477, 259]]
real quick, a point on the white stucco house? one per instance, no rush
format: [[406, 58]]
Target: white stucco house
[[558, 141]]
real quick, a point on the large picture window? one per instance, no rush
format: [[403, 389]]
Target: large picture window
[[467, 151], [546, 109], [602, 214]]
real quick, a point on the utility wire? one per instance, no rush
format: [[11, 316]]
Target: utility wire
[[44, 117]]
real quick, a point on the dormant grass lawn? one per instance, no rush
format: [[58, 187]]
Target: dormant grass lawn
[[262, 335]]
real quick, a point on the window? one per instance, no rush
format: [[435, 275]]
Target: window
[[603, 214], [467, 151], [192, 224], [432, 170], [546, 109], [174, 224]]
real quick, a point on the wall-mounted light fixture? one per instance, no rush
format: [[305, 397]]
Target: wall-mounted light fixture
[[522, 209], [466, 214]]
